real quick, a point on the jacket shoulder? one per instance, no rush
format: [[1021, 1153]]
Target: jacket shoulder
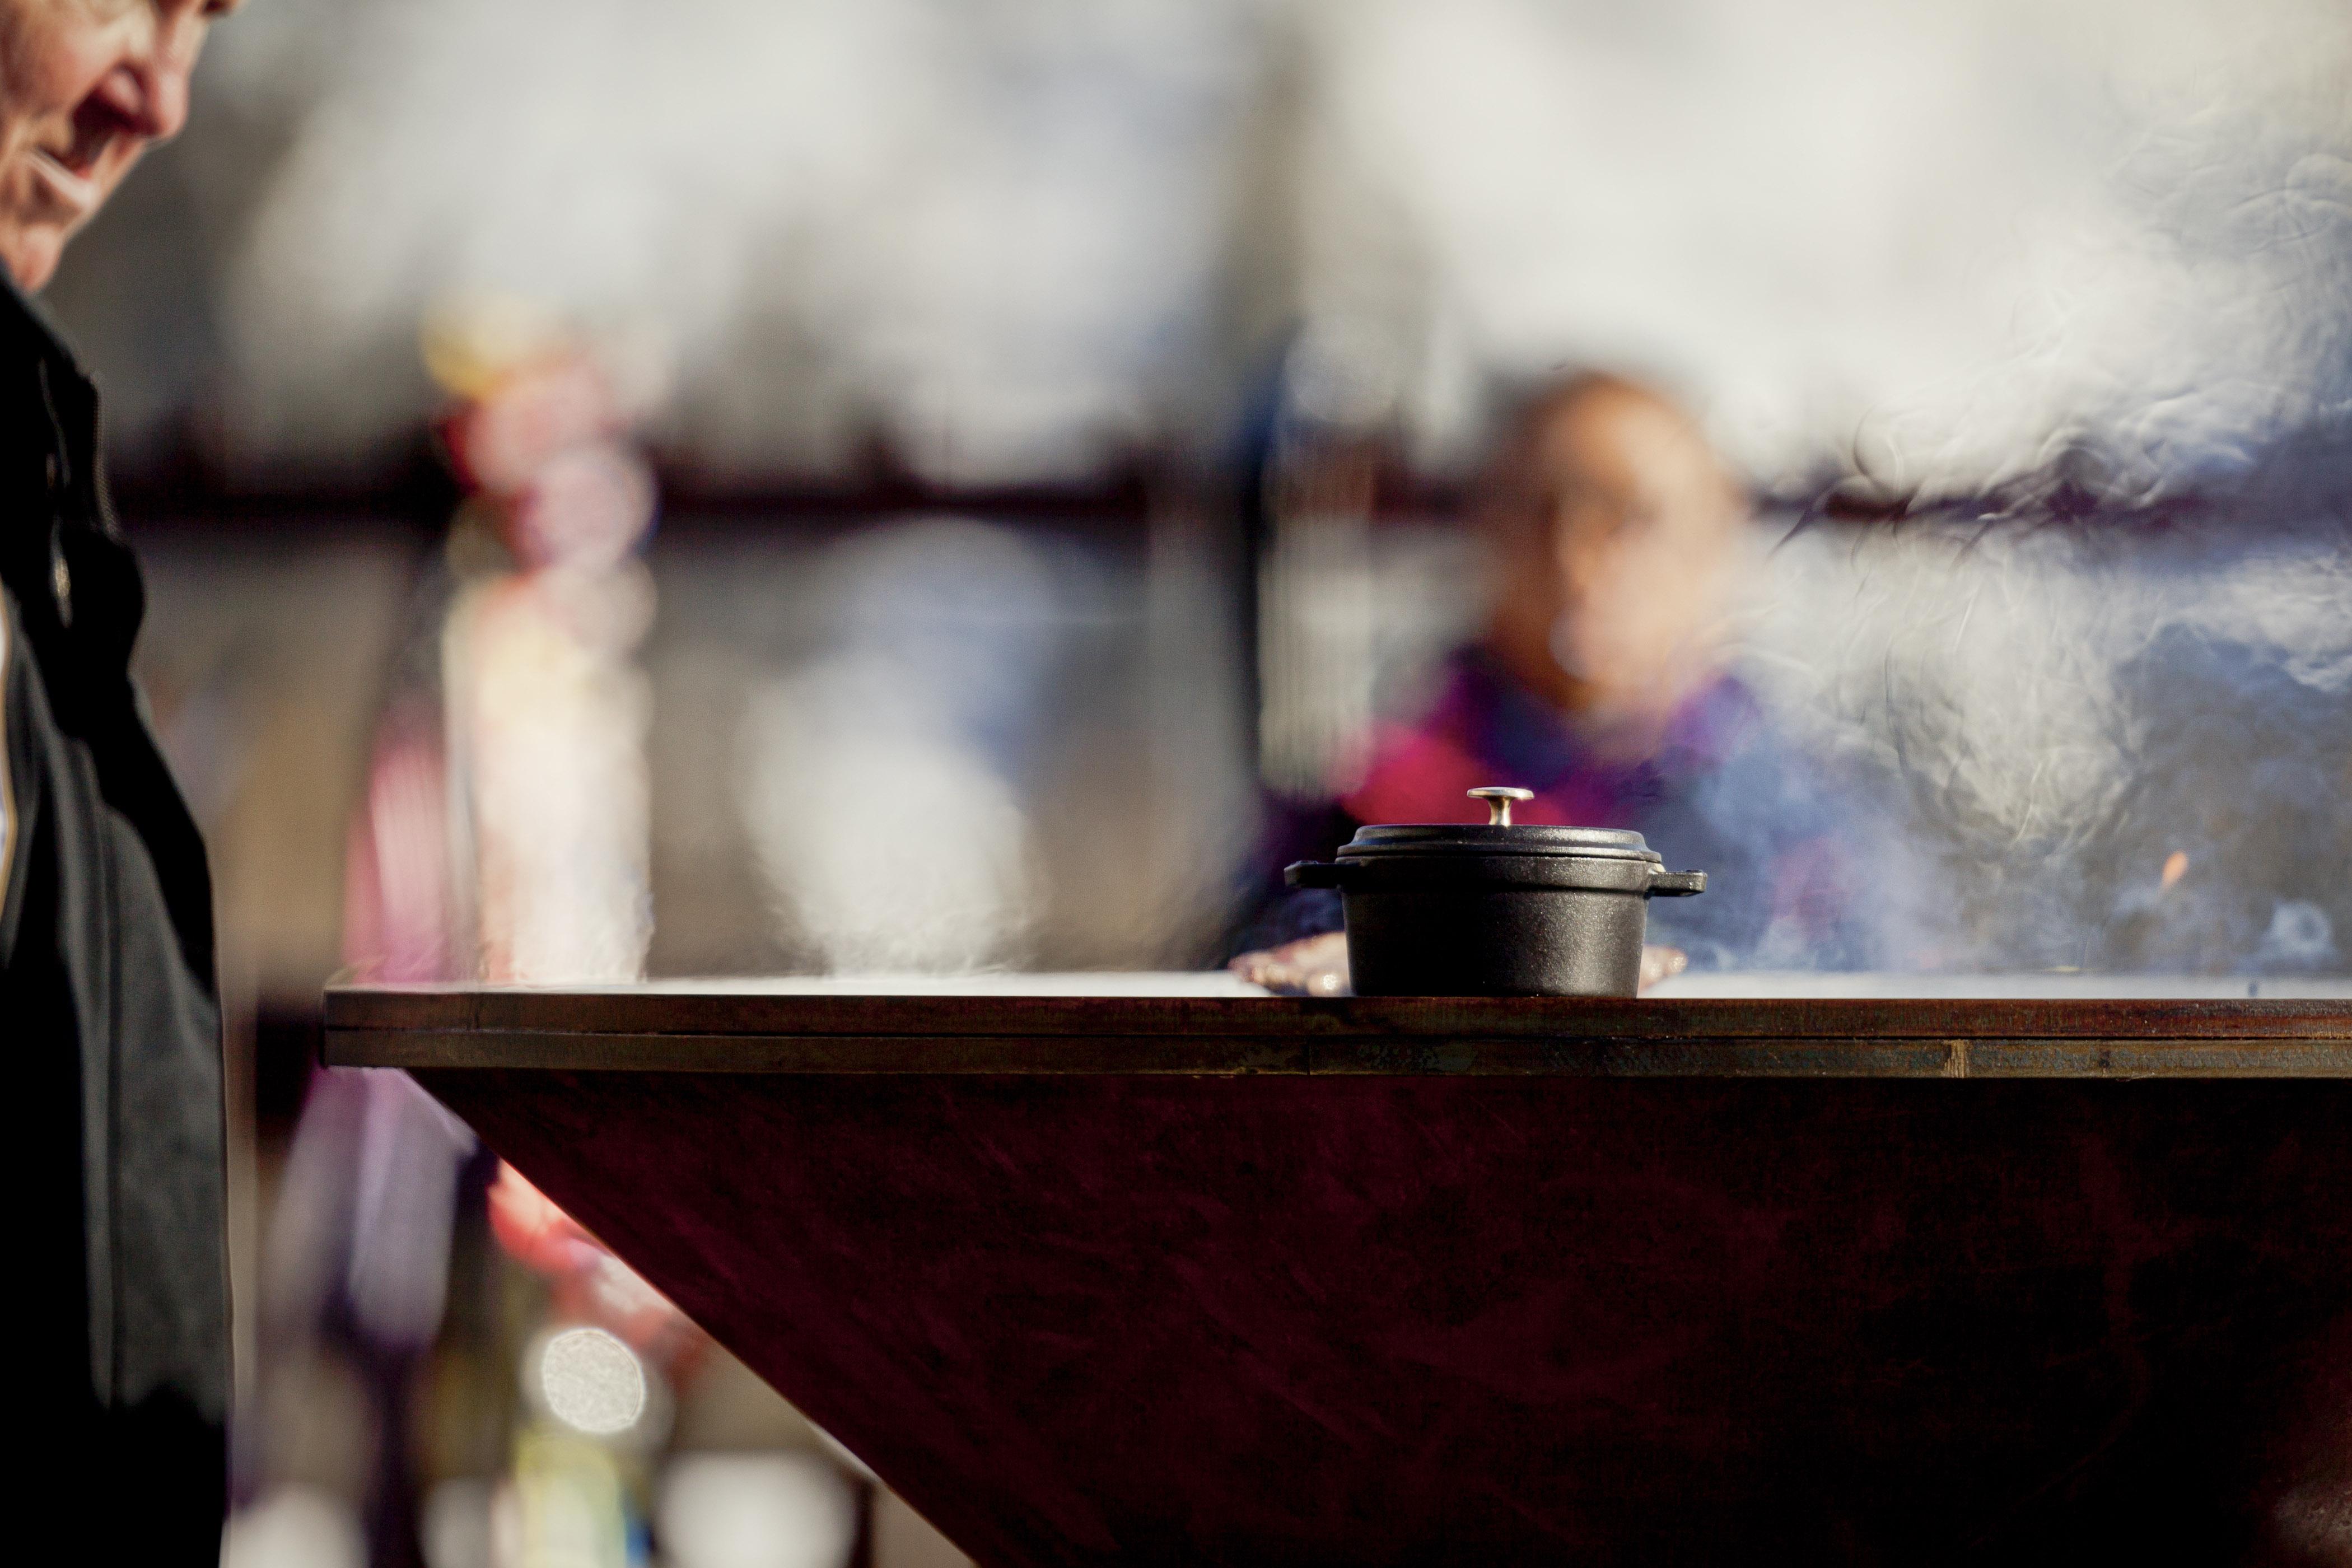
[[17, 772], [30, 761]]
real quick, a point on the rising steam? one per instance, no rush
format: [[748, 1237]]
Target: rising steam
[[1938, 238]]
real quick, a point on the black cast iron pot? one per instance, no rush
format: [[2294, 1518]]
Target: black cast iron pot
[[1499, 911]]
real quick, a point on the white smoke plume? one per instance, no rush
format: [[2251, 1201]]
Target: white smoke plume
[[989, 225], [2118, 758], [1937, 236]]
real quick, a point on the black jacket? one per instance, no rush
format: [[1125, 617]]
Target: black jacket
[[110, 1022]]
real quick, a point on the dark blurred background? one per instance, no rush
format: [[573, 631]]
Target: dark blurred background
[[1053, 423]]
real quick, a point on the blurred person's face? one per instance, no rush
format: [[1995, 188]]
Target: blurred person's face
[[1618, 540], [85, 86]]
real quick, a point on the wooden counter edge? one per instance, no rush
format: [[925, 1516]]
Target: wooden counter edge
[[625, 1013], [1234, 1056]]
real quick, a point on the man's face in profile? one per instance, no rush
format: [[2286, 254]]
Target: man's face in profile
[[85, 86]]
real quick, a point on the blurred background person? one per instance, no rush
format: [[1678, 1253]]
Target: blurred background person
[[1619, 547], [502, 836], [108, 995]]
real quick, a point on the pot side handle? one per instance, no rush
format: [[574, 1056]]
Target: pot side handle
[[1676, 884], [1312, 874]]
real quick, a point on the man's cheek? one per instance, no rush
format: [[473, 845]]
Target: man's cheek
[[1648, 616]]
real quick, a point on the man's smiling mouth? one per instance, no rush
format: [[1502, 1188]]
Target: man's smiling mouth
[[73, 187]]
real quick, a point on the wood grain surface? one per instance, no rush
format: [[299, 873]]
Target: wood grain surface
[[1109, 1319]]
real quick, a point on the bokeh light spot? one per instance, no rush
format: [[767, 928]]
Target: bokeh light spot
[[591, 1381]]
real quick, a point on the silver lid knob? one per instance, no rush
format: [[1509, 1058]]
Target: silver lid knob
[[1499, 799]]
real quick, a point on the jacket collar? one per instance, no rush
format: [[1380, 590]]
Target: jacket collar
[[60, 396], [26, 328], [59, 548]]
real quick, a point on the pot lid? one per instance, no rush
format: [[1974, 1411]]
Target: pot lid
[[1498, 835]]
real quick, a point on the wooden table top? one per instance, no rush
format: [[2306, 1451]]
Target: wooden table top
[[1146, 1269], [1208, 1025]]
